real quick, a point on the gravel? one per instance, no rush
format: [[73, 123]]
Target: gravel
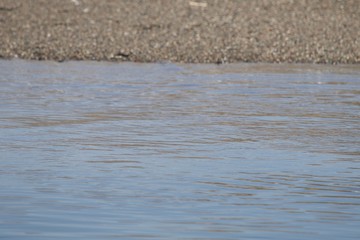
[[217, 31]]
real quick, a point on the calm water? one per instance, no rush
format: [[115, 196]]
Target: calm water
[[162, 151]]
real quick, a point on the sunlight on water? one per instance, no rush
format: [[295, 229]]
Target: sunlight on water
[[162, 151]]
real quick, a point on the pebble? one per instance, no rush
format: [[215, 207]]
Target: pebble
[[206, 31]]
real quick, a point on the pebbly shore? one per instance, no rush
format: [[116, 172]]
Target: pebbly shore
[[190, 31]]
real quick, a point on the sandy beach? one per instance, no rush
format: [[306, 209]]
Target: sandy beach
[[301, 31]]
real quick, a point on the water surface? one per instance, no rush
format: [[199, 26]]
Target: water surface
[[163, 151]]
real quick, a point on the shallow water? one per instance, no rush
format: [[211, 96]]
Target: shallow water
[[162, 151]]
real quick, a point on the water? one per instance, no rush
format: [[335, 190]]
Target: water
[[162, 151]]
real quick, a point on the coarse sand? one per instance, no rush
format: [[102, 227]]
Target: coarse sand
[[190, 31]]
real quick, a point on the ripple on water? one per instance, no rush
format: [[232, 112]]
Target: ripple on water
[[163, 151]]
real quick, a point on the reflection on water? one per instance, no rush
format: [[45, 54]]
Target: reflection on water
[[163, 151]]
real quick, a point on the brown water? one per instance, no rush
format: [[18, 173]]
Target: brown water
[[162, 151]]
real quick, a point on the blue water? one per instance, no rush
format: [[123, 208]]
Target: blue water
[[93, 150]]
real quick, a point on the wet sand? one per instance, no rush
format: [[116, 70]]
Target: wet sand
[[306, 31]]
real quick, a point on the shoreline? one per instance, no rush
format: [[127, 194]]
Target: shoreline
[[182, 31], [164, 62]]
